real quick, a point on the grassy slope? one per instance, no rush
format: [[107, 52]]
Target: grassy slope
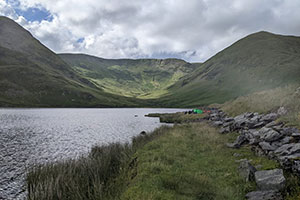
[[257, 62], [142, 78], [269, 101], [33, 76]]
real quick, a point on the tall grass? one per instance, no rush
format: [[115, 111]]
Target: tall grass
[[268, 101], [90, 177]]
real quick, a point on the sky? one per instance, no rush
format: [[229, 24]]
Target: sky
[[193, 30]]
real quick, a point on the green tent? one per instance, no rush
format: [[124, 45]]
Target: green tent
[[198, 111]]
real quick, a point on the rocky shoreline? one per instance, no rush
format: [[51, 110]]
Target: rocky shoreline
[[266, 137]]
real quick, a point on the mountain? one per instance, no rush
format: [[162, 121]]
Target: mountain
[[31, 75], [141, 78], [257, 62]]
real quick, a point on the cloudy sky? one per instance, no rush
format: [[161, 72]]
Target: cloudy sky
[[193, 30]]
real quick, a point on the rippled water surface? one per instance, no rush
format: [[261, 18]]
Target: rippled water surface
[[30, 136]]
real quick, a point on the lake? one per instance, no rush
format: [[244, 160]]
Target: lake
[[33, 136]]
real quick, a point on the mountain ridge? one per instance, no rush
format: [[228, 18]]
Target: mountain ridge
[[33, 75]]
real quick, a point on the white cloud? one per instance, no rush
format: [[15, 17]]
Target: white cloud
[[194, 29]]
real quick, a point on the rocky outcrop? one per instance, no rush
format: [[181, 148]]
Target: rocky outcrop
[[267, 137], [270, 179], [264, 133]]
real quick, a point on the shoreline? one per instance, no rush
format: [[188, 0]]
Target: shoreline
[[128, 182]]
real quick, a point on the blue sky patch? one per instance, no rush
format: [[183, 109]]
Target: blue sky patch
[[80, 40], [35, 14]]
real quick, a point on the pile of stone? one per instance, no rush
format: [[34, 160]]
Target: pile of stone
[[269, 182], [267, 137]]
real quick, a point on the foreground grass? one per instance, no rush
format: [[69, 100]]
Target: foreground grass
[[97, 176], [188, 161]]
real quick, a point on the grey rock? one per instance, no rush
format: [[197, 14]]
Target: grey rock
[[288, 131], [271, 124], [255, 118], [281, 111], [269, 134], [269, 117], [224, 130], [226, 124], [246, 170], [296, 135], [218, 123], [264, 195], [266, 146], [286, 140], [288, 149], [249, 115], [254, 141], [241, 139], [270, 179], [228, 119], [259, 124]]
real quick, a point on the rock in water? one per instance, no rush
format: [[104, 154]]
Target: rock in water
[[270, 179]]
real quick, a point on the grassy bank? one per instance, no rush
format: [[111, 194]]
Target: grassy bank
[[268, 101], [187, 161], [178, 117], [97, 176]]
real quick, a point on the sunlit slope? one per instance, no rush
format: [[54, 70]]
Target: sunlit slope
[[257, 62], [141, 78]]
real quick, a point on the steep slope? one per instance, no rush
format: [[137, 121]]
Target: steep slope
[[257, 62], [32, 75], [142, 78]]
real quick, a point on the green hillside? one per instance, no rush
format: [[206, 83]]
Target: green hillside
[[257, 62], [31, 75], [141, 78]]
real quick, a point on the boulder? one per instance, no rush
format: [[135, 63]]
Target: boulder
[[288, 149], [264, 195], [270, 179], [269, 135], [246, 170], [266, 146]]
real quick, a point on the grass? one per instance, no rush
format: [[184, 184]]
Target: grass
[[142, 78], [182, 162], [178, 117], [190, 162], [258, 62], [268, 101], [91, 177]]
